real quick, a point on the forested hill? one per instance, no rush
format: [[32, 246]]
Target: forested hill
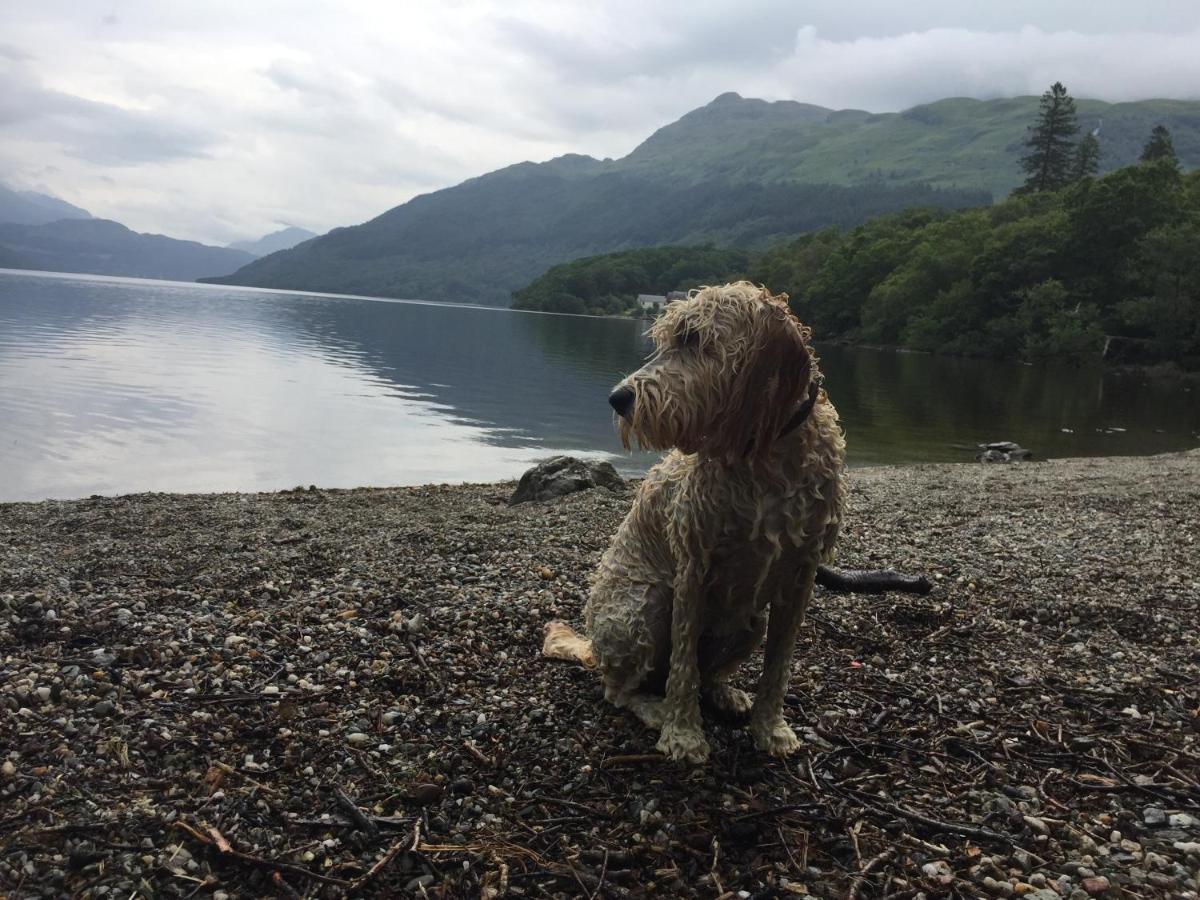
[[957, 142], [1110, 262], [735, 173]]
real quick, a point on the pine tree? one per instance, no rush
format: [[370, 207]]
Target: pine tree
[[1051, 151], [1160, 146], [1087, 157]]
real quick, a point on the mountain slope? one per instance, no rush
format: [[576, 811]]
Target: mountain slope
[[102, 247], [284, 239], [32, 208], [736, 172], [956, 142]]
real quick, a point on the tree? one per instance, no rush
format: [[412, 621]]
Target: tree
[[1087, 157], [1051, 150], [1160, 146]]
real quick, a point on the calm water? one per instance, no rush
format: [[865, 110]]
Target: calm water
[[116, 385]]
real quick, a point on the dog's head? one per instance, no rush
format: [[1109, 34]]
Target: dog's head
[[730, 367]]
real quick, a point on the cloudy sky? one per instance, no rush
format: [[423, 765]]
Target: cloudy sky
[[220, 120]]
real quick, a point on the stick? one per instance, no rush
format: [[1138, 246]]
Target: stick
[[258, 860], [480, 757], [985, 834], [633, 759], [871, 581], [384, 861], [284, 887], [861, 878], [571, 804], [363, 822]]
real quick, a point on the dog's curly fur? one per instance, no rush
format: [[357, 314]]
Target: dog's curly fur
[[726, 532]]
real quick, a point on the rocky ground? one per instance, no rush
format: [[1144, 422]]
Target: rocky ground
[[322, 693]]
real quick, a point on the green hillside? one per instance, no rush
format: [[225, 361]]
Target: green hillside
[[1108, 261], [957, 142], [735, 173]]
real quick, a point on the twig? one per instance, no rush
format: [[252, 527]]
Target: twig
[[872, 864], [777, 810], [603, 872], [222, 844], [480, 757], [632, 759], [571, 804], [362, 821], [258, 860], [384, 861], [284, 887], [985, 834], [412, 646], [225, 767]]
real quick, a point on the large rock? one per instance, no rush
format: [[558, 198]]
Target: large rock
[[1003, 452], [561, 475]]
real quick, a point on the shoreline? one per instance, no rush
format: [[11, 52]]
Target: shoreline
[[1119, 459], [283, 667]]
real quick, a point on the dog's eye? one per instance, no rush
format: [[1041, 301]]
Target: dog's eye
[[688, 340]]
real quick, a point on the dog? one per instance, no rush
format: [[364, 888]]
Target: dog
[[723, 540]]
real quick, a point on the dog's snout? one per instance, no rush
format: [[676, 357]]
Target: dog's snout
[[622, 400]]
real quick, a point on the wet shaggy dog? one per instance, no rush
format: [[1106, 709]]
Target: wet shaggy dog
[[726, 532]]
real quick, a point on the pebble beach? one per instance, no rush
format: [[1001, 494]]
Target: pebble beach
[[326, 693]]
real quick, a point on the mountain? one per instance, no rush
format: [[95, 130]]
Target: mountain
[[284, 239], [32, 208], [102, 247], [956, 142], [736, 172]]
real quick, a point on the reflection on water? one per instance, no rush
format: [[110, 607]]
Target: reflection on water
[[116, 385]]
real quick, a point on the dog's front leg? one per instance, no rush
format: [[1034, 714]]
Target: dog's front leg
[[683, 733], [771, 733]]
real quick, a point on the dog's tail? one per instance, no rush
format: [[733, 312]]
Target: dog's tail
[[561, 642]]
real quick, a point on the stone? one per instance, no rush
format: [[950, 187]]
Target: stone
[[562, 475], [426, 794], [1036, 824], [1152, 815], [1003, 452], [1096, 885]]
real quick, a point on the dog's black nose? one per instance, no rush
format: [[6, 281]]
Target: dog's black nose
[[622, 401]]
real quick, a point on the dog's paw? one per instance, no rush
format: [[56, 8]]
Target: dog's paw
[[682, 742], [774, 736], [729, 701]]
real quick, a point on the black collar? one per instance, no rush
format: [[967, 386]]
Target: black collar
[[802, 411]]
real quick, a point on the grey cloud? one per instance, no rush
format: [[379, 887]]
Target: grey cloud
[[328, 114], [647, 42], [96, 132]]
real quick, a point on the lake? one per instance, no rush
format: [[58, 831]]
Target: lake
[[115, 385]]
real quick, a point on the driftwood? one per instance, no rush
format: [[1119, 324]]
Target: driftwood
[[871, 581]]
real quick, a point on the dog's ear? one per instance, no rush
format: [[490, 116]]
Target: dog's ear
[[773, 378]]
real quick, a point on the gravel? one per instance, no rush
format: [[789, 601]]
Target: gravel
[[320, 693]]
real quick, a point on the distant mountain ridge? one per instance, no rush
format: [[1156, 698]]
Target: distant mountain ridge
[[34, 208], [736, 172], [283, 239], [104, 247]]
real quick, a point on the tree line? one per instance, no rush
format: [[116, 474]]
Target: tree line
[[1065, 262]]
